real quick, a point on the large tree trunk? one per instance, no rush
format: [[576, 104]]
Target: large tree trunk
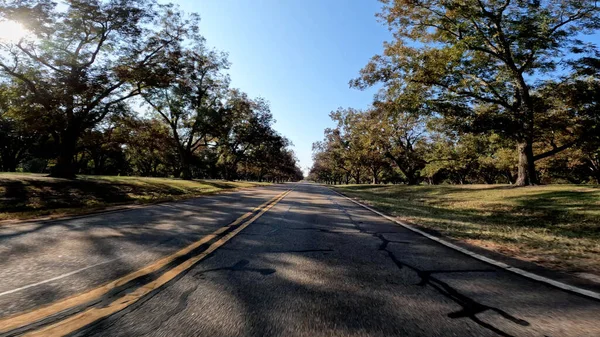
[[65, 167], [229, 172], [186, 170], [594, 166], [11, 166], [357, 177], [8, 164], [597, 176], [526, 167], [375, 177], [412, 180]]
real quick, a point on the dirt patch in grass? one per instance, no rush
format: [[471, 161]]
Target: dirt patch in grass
[[26, 196], [557, 226]]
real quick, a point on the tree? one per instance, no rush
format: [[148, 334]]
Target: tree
[[367, 133], [261, 158], [17, 134], [287, 167], [150, 148], [189, 99], [350, 143], [244, 124], [83, 61], [469, 159], [349, 149], [66, 94], [574, 109], [483, 52], [401, 129]]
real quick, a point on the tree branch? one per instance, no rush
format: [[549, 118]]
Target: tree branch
[[554, 151]]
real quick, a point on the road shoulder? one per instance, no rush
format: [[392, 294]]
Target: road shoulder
[[572, 283]]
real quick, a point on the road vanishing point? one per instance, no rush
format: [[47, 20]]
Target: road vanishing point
[[284, 260]]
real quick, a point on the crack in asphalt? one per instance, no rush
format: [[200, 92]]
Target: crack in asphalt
[[241, 265], [301, 251], [469, 307], [324, 230], [385, 242]]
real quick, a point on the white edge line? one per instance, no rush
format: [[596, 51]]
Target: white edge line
[[57, 277], [493, 262]]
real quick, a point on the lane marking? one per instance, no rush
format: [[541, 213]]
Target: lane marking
[[57, 277], [26, 318], [91, 315], [518, 271]]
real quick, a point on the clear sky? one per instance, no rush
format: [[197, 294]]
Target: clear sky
[[298, 54]]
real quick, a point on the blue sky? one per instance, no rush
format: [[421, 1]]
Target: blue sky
[[297, 54]]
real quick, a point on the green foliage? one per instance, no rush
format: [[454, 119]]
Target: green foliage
[[82, 63], [69, 94], [475, 91], [477, 60]]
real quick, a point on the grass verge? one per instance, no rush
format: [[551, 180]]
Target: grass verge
[[556, 226], [26, 196]]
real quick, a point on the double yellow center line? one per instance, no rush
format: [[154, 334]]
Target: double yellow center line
[[92, 314]]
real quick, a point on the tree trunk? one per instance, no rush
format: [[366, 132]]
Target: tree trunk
[[509, 176], [8, 164], [594, 166], [357, 177], [65, 167], [596, 175], [526, 167], [186, 171], [411, 177], [11, 167]]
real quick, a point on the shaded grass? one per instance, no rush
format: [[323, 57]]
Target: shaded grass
[[557, 226], [24, 196]]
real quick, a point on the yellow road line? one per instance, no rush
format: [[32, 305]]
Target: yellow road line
[[92, 315], [35, 315]]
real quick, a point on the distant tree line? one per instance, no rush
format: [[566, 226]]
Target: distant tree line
[[474, 91], [125, 87]]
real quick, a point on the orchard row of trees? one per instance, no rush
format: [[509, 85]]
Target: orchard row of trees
[[130, 88], [474, 91]]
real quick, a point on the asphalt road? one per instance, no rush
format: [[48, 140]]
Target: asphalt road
[[314, 264]]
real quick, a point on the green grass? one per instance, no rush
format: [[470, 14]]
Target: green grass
[[557, 226], [25, 196]]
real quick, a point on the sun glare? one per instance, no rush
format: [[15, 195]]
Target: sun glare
[[11, 31]]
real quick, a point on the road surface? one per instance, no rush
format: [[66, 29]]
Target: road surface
[[264, 262]]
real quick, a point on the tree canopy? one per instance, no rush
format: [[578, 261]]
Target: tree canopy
[[123, 87], [482, 70]]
